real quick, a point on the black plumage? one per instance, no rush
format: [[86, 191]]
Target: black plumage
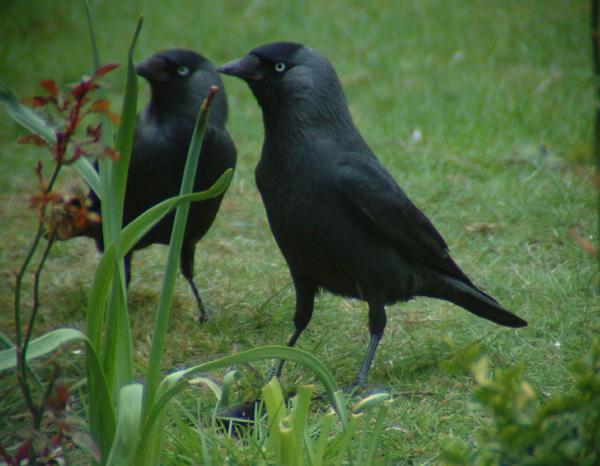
[[179, 81], [341, 221]]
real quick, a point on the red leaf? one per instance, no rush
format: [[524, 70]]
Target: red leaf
[[37, 101], [33, 139], [80, 90], [100, 106], [105, 69], [62, 394], [114, 118], [110, 152], [50, 86]]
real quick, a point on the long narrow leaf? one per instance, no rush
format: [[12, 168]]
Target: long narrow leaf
[[300, 416], [164, 307], [273, 398], [127, 435], [117, 348], [41, 346], [93, 42], [321, 446], [25, 116]]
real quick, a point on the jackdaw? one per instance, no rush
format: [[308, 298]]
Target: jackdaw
[[341, 221], [179, 81]]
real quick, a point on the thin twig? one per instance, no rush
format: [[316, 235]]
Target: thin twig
[[21, 347], [36, 292]]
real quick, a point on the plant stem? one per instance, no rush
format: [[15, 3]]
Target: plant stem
[[21, 347], [36, 292]]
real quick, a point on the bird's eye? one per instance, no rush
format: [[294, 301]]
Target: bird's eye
[[183, 70], [280, 67]]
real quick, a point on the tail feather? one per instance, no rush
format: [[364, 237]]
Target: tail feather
[[473, 300]]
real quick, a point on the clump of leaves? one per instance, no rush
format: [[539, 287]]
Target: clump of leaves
[[59, 428], [58, 217], [527, 430], [62, 215]]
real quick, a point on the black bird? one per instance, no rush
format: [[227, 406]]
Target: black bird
[[341, 221], [179, 81]]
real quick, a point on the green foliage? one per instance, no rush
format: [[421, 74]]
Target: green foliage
[[287, 432], [527, 430]]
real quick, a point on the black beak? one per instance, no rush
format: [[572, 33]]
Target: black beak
[[153, 69], [247, 68]]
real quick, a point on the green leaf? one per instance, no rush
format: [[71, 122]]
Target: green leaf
[[117, 348], [41, 346], [164, 306], [127, 434], [321, 446], [300, 418], [273, 398], [25, 116]]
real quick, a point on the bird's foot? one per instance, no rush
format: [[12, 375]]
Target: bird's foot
[[275, 371], [203, 314], [362, 389]]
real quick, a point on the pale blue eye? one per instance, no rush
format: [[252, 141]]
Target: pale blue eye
[[280, 67], [183, 70]]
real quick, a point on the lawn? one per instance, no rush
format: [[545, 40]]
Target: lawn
[[481, 110]]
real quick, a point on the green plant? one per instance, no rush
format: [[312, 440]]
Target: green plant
[[528, 430], [287, 432], [57, 216]]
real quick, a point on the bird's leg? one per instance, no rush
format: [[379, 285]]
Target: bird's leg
[[186, 263], [377, 321], [202, 312], [305, 300]]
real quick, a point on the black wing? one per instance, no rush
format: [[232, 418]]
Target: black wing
[[375, 195]]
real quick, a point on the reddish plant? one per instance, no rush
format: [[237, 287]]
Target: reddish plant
[[54, 429]]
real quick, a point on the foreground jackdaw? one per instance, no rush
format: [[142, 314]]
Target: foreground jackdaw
[[341, 221], [179, 81]]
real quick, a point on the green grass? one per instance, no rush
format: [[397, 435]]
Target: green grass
[[502, 95]]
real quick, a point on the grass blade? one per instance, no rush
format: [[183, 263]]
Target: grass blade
[[376, 432]]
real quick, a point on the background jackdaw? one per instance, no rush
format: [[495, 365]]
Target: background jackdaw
[[341, 221], [179, 81]]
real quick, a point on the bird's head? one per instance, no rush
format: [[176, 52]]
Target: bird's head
[[290, 77], [180, 79]]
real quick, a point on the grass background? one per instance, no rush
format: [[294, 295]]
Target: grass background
[[481, 110]]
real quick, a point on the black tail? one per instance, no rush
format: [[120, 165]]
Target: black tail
[[472, 299]]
